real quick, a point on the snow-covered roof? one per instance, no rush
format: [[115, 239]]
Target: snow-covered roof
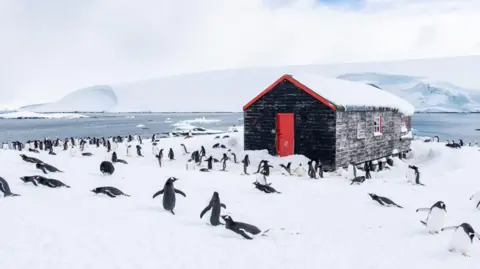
[[353, 95]]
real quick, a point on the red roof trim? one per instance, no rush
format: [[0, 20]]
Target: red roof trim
[[294, 82]]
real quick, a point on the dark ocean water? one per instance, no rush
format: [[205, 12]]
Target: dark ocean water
[[446, 126]]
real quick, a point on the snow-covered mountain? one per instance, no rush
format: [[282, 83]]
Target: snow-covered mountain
[[425, 94], [432, 85]]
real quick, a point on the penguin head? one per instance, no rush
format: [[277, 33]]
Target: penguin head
[[96, 190], [441, 205], [227, 218], [373, 195]]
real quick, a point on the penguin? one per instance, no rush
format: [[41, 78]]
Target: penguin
[[209, 161], [311, 171], [367, 168], [217, 137], [34, 150], [116, 160], [87, 154], [225, 136], [352, 170], [234, 157], [110, 191], [476, 198], [184, 148], [241, 228], [139, 151], [50, 168], [51, 152], [168, 192], [31, 179], [5, 188], [265, 187], [287, 167], [216, 145], [171, 155], [203, 152], [30, 159], [159, 157], [462, 238], [384, 201], [50, 182], [265, 169], [204, 170], [215, 205], [358, 180], [319, 168], [107, 168], [300, 171], [224, 161], [246, 163], [416, 174], [128, 150], [436, 217]]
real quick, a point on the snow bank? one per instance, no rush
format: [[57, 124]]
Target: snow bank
[[33, 115], [314, 222], [353, 94], [229, 90]]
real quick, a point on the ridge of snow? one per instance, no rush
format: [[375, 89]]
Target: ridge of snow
[[229, 90], [34, 115], [353, 94]]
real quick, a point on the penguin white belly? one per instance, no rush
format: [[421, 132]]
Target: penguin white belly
[[436, 220], [300, 172], [261, 179], [460, 241], [410, 175]]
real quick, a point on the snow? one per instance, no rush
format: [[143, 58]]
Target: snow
[[33, 115], [408, 135], [229, 90], [201, 120], [327, 222], [352, 94]]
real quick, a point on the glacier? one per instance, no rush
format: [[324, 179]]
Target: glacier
[[431, 85]]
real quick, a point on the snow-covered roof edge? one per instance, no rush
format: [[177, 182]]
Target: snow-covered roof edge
[[353, 95]]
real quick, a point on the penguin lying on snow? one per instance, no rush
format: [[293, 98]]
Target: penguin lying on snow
[[358, 180], [107, 168], [436, 217], [5, 188], [168, 192], [215, 205], [30, 159], [462, 238], [110, 191], [50, 182], [87, 154], [240, 227], [384, 201], [44, 167], [27, 179]]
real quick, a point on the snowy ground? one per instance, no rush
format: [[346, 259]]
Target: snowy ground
[[328, 223]]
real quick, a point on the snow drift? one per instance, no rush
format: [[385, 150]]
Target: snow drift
[[313, 223], [229, 90]]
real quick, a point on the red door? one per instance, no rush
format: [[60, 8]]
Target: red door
[[285, 134]]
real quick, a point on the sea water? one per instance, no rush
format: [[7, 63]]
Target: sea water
[[446, 126]]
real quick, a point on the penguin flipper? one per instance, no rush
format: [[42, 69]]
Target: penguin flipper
[[158, 193], [205, 210], [248, 227], [478, 204], [397, 205], [422, 209], [242, 233], [110, 194], [223, 205], [449, 228], [180, 192], [423, 222]]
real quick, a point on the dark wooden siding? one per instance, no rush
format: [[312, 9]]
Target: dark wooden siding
[[349, 147], [314, 123]]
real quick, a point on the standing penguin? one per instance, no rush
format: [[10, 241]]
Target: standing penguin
[[203, 152], [246, 163], [209, 161], [109, 146], [234, 157], [311, 171], [159, 157], [5, 188], [416, 174], [319, 168], [436, 217], [215, 205], [139, 151], [168, 192], [171, 155], [224, 161], [266, 168], [367, 167], [462, 238], [184, 148]]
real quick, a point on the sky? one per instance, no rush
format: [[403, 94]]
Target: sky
[[51, 47]]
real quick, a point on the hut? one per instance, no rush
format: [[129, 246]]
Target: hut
[[332, 120]]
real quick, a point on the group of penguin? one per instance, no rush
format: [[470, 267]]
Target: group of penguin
[[248, 231], [462, 239]]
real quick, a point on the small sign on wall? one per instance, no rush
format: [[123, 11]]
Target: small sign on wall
[[361, 130]]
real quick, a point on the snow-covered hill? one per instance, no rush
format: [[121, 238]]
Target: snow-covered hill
[[323, 223], [425, 94], [431, 85]]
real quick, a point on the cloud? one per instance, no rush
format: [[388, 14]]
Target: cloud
[[52, 47]]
